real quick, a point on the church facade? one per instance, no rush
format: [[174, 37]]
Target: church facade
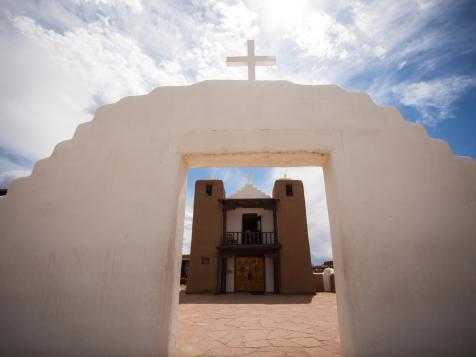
[[250, 242]]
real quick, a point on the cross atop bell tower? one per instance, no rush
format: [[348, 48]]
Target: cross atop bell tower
[[251, 60]]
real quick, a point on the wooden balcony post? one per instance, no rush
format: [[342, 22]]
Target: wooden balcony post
[[277, 274], [275, 225], [223, 238]]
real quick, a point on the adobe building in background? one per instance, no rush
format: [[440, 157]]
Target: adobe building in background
[[250, 241]]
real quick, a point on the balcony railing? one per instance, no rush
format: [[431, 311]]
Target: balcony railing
[[250, 238]]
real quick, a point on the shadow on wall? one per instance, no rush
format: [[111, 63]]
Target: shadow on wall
[[243, 298]]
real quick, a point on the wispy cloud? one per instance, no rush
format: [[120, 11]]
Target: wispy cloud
[[316, 207], [88, 53], [434, 99], [109, 64], [11, 167], [320, 35], [8, 176], [62, 59], [187, 229], [233, 178], [134, 5]]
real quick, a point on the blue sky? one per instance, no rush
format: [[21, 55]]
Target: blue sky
[[60, 60]]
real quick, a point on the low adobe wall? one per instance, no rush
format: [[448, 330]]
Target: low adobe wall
[[318, 281]]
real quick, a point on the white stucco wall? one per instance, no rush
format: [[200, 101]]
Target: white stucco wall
[[269, 271], [88, 270], [234, 219], [327, 279]]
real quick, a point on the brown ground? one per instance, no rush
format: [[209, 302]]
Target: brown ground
[[258, 325]]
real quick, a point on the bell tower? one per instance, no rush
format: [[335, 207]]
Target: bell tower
[[296, 268], [206, 236]]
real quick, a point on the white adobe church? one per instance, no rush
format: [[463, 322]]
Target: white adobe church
[[249, 241], [87, 270]]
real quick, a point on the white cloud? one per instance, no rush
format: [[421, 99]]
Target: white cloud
[[73, 73], [233, 178], [316, 207], [320, 35], [279, 16], [90, 52], [393, 25], [134, 5], [434, 99], [36, 98], [227, 27], [187, 229], [109, 63], [9, 164], [100, 55], [360, 45]]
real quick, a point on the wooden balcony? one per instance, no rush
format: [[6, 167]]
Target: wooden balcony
[[250, 239]]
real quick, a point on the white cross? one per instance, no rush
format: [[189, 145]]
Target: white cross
[[248, 178], [251, 60]]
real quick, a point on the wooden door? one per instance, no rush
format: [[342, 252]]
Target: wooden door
[[249, 274]]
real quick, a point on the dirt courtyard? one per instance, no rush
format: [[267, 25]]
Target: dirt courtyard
[[258, 325]]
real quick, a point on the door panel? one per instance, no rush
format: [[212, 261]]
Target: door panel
[[249, 274]]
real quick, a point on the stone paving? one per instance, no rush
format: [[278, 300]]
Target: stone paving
[[258, 325]]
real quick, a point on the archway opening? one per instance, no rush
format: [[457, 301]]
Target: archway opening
[[236, 178]]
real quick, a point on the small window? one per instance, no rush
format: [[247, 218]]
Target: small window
[[209, 189], [205, 260], [289, 189]]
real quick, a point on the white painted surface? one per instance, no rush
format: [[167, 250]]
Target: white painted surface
[[230, 275], [234, 219], [249, 191], [327, 278], [87, 270], [251, 60], [269, 270]]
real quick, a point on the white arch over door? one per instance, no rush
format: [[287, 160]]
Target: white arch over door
[[90, 244]]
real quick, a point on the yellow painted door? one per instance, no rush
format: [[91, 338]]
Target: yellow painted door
[[249, 274]]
